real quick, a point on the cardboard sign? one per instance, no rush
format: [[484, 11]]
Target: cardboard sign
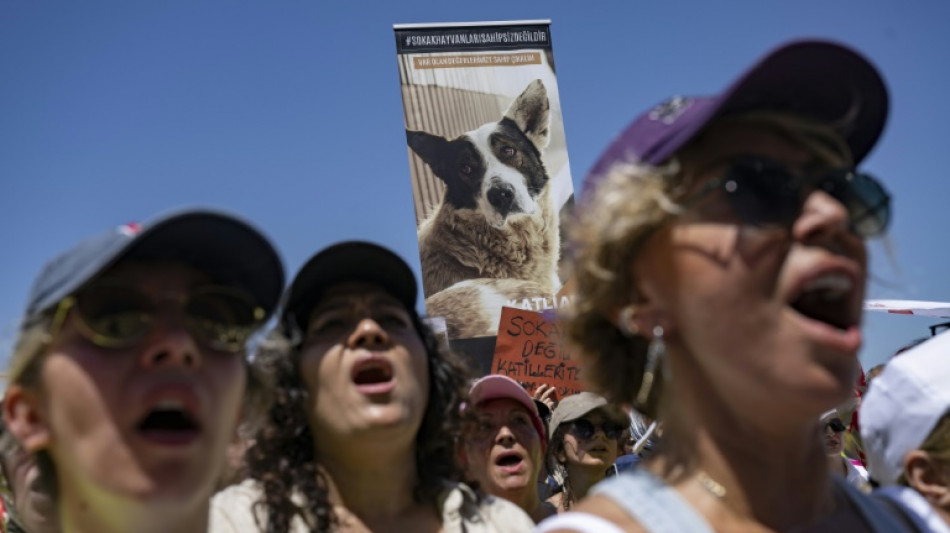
[[529, 351]]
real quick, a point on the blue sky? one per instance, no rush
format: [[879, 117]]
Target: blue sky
[[289, 113]]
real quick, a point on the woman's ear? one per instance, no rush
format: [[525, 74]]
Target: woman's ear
[[27, 422], [925, 475], [639, 319]]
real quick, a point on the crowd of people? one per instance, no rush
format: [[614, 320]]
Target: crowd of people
[[144, 393]]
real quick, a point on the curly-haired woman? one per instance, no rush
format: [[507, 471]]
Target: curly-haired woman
[[361, 435]]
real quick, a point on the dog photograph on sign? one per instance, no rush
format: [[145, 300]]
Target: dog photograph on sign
[[491, 184]]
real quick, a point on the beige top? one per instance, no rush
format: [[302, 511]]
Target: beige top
[[231, 512]]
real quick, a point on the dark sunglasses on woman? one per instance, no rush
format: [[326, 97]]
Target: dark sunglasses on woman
[[113, 314], [836, 425], [585, 429], [762, 191]]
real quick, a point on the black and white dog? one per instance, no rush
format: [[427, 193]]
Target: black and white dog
[[497, 219]]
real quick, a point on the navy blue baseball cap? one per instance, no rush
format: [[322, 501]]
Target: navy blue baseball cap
[[822, 80], [347, 261], [228, 249]]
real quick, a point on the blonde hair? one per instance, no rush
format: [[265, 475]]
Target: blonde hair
[[937, 445], [30, 347], [628, 204]]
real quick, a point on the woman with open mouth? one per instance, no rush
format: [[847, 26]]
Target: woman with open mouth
[[833, 432], [361, 436], [130, 372], [503, 443], [585, 441], [720, 263]]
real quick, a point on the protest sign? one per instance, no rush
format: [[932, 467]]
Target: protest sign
[[529, 350], [489, 169]]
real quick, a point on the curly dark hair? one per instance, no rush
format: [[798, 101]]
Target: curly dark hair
[[282, 458]]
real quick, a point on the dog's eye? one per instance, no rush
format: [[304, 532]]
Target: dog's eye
[[508, 151], [466, 169]]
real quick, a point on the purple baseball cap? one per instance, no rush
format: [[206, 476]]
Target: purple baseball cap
[[822, 80]]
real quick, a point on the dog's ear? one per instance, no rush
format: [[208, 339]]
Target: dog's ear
[[429, 147], [531, 111]]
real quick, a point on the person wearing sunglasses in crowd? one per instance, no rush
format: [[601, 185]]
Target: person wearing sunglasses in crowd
[[586, 436], [503, 442], [638, 444], [720, 266], [129, 372], [833, 435], [905, 425], [361, 434]]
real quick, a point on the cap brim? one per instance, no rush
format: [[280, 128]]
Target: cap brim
[[348, 262], [579, 405]]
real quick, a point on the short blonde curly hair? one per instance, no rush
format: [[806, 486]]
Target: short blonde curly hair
[[937, 444], [622, 210]]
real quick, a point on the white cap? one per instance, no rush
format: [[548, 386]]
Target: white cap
[[903, 405]]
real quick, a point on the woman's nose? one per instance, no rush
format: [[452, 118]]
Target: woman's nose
[[171, 343], [823, 219], [368, 334]]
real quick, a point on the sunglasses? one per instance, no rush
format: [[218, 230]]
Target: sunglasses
[[763, 192], [836, 425], [937, 329], [117, 315], [585, 429]]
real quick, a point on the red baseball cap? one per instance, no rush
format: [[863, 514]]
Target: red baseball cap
[[496, 387]]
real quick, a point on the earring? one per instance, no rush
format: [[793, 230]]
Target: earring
[[626, 323], [655, 352]]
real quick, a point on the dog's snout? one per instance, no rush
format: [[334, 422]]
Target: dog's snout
[[501, 196]]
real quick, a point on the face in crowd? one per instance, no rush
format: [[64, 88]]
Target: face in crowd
[[800, 287], [362, 386], [833, 433], [590, 442], [137, 376], [503, 442], [502, 448], [140, 416], [365, 367]]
